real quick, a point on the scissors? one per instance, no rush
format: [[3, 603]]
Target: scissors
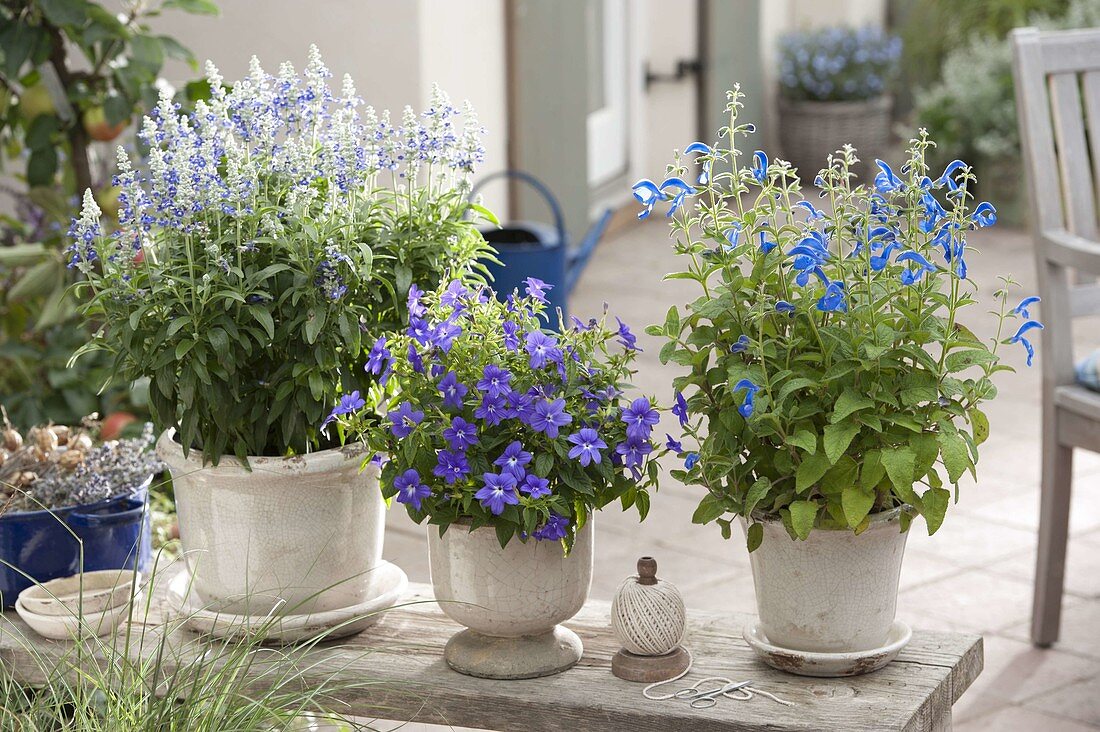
[[706, 698]]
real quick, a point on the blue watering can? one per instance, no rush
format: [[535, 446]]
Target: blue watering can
[[534, 249]]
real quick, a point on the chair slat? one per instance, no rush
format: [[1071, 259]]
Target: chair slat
[[1073, 155], [1036, 133], [1070, 51], [1090, 91], [1085, 300]]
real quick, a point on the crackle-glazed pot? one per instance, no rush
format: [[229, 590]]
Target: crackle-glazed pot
[[834, 592], [510, 600], [294, 535]]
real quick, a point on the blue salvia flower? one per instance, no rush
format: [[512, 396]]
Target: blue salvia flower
[[741, 345], [886, 181], [933, 212], [690, 460], [784, 307], [984, 215], [749, 402], [681, 191], [733, 236], [646, 193], [766, 244], [760, 166], [815, 215], [947, 178], [1019, 338], [833, 300], [910, 275], [1023, 309], [703, 149]]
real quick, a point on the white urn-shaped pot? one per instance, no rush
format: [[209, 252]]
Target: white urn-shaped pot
[[835, 592], [510, 600], [291, 535]]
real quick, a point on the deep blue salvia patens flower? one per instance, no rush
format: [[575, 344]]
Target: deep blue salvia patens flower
[[690, 460], [640, 417], [1019, 338], [627, 339], [548, 416], [349, 404], [886, 181], [495, 381], [677, 190], [833, 301], [680, 409], [984, 215], [912, 275], [741, 345], [542, 348], [555, 529], [497, 492], [947, 179], [673, 445], [537, 289], [586, 446], [749, 402], [784, 307], [534, 486], [880, 260], [702, 149], [451, 466], [410, 490], [646, 193], [766, 244], [461, 434], [514, 460], [452, 390], [1023, 309], [760, 166], [404, 419], [815, 215], [733, 236]]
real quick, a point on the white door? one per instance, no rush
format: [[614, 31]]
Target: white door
[[608, 90]]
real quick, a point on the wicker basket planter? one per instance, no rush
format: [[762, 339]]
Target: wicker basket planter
[[810, 131]]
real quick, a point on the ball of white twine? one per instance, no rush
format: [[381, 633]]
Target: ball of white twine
[[648, 620]]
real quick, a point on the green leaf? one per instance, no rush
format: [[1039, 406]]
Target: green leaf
[[980, 424], [754, 536], [803, 514], [402, 278], [804, 439], [956, 458], [873, 471], [41, 166], [315, 321], [544, 462], [755, 494], [264, 318], [934, 503], [195, 7], [899, 463], [672, 323], [710, 508], [837, 438], [962, 360], [849, 402], [810, 471], [857, 503], [64, 12], [40, 133]]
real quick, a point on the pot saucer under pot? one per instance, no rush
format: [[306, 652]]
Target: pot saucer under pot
[[827, 665]]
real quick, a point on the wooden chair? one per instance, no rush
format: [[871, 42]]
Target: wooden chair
[[1055, 73]]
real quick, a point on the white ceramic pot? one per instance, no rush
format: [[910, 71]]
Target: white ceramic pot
[[834, 592], [293, 535], [511, 600]]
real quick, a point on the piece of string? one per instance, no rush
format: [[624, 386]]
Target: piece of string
[[747, 691]]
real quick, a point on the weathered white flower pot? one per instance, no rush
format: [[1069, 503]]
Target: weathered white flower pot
[[294, 535], [835, 592], [510, 600]]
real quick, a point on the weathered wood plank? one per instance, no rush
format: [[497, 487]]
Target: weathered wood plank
[[403, 653]]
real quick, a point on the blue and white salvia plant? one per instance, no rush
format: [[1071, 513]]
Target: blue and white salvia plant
[[830, 375], [269, 237], [838, 64], [487, 417]]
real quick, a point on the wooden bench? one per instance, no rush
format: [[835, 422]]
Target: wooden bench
[[404, 654]]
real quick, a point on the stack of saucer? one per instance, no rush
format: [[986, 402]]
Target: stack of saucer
[[94, 603]]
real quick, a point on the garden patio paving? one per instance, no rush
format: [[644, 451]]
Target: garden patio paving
[[974, 575]]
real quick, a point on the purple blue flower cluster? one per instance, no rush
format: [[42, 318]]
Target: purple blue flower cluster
[[837, 64]]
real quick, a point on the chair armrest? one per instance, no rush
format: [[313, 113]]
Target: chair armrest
[[1070, 250]]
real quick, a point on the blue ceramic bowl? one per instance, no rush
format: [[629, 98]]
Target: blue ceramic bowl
[[38, 546]]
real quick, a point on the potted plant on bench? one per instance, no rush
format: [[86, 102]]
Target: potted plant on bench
[[833, 391], [274, 231], [505, 438]]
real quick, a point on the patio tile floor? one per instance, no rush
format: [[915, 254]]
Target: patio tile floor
[[974, 575]]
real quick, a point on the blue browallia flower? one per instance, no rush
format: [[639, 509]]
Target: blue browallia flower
[[1019, 338], [511, 339], [1023, 309], [416, 309], [492, 410], [451, 466], [984, 215], [379, 356], [461, 434], [444, 334], [681, 191], [766, 244], [498, 491], [749, 403], [646, 193], [690, 460], [673, 445], [410, 490], [414, 359], [833, 300], [640, 417], [420, 331], [548, 416], [555, 529], [454, 295], [453, 390], [946, 179], [760, 166], [349, 404], [814, 213], [495, 380], [537, 289], [542, 348], [911, 276], [633, 452], [627, 339], [703, 149], [534, 486], [586, 446], [404, 419], [784, 307], [741, 345], [514, 460], [886, 181], [680, 409]]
